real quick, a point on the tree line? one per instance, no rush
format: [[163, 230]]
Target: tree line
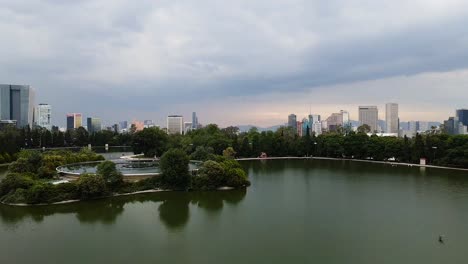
[[438, 149]]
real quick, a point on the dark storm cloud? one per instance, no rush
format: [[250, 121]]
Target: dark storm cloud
[[150, 55]]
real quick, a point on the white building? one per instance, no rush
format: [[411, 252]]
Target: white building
[[391, 118], [187, 127], [175, 124], [43, 116], [369, 115], [317, 128]]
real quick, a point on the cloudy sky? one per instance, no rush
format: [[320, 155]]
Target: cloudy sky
[[237, 62]]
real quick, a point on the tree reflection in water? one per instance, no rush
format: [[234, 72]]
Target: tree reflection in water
[[174, 208]]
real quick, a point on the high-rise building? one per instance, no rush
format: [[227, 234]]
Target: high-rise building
[[453, 126], [175, 124], [413, 127], [43, 115], [292, 122], [94, 125], [123, 125], [187, 127], [299, 128], [334, 121], [17, 103], [194, 120], [462, 115], [306, 127], [391, 118], [317, 128], [74, 120], [346, 120], [369, 115]]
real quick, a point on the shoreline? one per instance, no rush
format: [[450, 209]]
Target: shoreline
[[357, 160], [226, 188]]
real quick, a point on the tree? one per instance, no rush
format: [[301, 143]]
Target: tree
[[109, 172], [174, 166], [150, 141], [229, 153], [91, 186], [213, 174], [365, 128]]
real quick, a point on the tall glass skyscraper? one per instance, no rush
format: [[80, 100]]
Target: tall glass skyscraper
[[292, 122], [17, 103], [462, 115], [194, 120], [74, 120], [93, 124]]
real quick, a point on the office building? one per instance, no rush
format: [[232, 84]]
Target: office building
[[334, 122], [462, 115], [194, 120], [453, 126], [175, 124], [93, 124], [74, 120], [123, 125], [43, 115], [17, 103], [187, 127], [317, 128], [306, 127], [369, 115], [391, 118], [413, 127], [292, 122]]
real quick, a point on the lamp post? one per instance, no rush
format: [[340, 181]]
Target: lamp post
[[315, 148], [434, 150]]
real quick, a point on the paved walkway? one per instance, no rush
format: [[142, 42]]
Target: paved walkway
[[358, 160]]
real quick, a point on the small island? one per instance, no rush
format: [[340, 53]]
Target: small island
[[33, 179]]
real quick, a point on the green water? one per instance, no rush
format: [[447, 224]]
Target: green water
[[294, 212]]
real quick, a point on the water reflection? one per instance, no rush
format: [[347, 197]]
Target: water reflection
[[173, 208]]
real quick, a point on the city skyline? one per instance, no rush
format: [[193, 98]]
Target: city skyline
[[143, 61]]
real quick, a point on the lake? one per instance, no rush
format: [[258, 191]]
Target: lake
[[296, 211]]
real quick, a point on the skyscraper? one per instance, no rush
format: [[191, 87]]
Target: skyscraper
[[175, 124], [94, 125], [462, 115], [74, 120], [17, 103], [43, 116], [292, 122], [123, 125], [194, 120], [369, 115], [334, 121], [391, 118]]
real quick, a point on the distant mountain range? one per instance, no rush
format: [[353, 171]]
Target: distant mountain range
[[245, 128]]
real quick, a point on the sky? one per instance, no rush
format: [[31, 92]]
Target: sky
[[237, 62]]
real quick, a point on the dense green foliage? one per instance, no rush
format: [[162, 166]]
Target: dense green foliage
[[174, 166], [150, 141], [109, 172], [44, 165]]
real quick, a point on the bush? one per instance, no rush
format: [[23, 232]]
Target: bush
[[175, 170], [109, 172], [91, 186], [212, 175], [40, 193], [2, 160], [236, 178], [7, 158], [15, 181]]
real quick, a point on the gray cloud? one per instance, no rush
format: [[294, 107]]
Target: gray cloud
[[100, 57]]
